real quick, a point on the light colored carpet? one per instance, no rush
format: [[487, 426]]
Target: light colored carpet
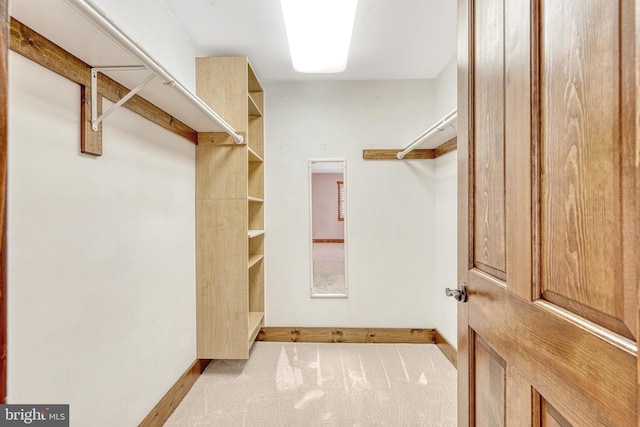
[[328, 268], [308, 384]]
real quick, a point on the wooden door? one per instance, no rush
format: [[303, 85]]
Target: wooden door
[[548, 119]]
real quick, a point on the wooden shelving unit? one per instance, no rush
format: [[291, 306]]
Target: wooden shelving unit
[[230, 212]]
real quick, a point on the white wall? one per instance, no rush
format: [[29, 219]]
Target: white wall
[[153, 26], [101, 265], [445, 239], [446, 193], [389, 203], [446, 88]]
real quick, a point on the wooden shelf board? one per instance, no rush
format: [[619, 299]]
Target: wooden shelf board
[[254, 259], [255, 233], [253, 156], [255, 199], [254, 111], [255, 323]]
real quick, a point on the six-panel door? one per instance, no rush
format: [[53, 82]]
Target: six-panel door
[[548, 230]]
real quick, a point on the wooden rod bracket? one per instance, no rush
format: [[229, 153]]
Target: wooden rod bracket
[[426, 153], [90, 140]]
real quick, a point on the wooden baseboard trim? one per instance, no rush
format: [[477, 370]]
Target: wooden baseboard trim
[[328, 240], [347, 335], [163, 410], [446, 348], [361, 335]]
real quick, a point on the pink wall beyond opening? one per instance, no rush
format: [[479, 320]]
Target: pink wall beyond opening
[[324, 187]]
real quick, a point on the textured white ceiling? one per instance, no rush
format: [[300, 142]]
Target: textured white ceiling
[[392, 39]]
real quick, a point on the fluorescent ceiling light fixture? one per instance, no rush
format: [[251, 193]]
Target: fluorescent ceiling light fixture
[[319, 33]]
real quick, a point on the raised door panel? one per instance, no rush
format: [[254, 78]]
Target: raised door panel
[[583, 167], [489, 228], [518, 145], [550, 417], [490, 385]]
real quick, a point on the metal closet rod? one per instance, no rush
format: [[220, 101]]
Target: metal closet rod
[[440, 125], [94, 14]]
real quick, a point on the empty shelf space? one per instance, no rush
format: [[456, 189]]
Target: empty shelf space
[[253, 156], [255, 323], [254, 111], [253, 82], [254, 259], [255, 233], [255, 199]]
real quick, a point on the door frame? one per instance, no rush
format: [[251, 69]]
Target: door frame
[[4, 49], [465, 80]]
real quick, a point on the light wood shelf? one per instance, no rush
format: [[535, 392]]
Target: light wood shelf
[[254, 110], [230, 213], [254, 157], [254, 259], [255, 323], [255, 233]]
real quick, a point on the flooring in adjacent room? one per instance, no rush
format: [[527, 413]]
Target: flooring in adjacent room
[[310, 384], [328, 268]]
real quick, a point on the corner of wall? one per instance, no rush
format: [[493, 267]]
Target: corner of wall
[[445, 223], [446, 88], [445, 272]]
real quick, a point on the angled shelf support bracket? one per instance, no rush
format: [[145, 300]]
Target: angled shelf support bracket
[[91, 110], [97, 119]]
